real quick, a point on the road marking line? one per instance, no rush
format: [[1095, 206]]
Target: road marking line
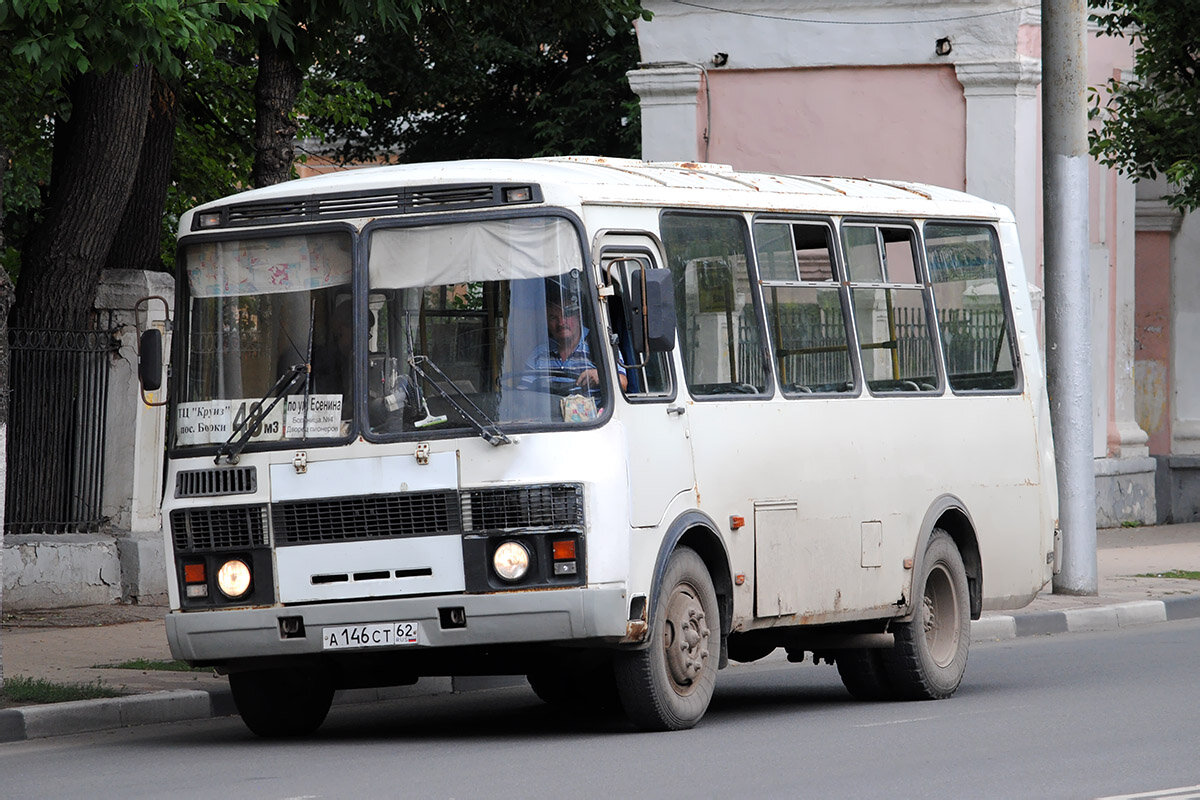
[[894, 722], [1181, 793]]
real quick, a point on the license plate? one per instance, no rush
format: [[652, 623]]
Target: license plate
[[380, 634]]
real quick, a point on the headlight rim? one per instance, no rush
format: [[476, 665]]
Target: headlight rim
[[514, 545], [223, 577]]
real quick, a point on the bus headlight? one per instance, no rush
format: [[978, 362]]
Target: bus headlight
[[233, 579], [511, 561]]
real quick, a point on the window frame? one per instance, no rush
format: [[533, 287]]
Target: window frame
[[616, 252], [838, 283], [742, 217], [914, 226], [1005, 306]]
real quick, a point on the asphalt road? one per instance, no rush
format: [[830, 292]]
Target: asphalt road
[[1070, 716]]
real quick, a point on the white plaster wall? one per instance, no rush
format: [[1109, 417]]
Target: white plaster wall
[[58, 570], [1185, 320], [777, 34]]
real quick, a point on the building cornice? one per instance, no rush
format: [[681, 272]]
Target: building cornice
[[1156, 215], [1019, 76]]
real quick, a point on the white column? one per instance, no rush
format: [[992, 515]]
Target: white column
[[1002, 142], [1131, 439], [670, 100], [135, 435], [1185, 333]]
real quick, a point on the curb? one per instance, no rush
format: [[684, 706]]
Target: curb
[[999, 627], [181, 705], [84, 716]]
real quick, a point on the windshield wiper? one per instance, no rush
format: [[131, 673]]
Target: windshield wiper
[[258, 413], [488, 429]]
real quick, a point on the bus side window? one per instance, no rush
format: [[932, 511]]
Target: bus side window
[[646, 377], [720, 337], [890, 310], [964, 268], [803, 303]]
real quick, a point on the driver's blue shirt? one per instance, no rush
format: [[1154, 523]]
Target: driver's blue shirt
[[546, 357]]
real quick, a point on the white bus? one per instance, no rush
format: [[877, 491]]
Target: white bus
[[604, 423]]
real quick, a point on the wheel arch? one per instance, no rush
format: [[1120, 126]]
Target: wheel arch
[[697, 530], [950, 514]]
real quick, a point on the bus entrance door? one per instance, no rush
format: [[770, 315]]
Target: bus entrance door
[[654, 414]]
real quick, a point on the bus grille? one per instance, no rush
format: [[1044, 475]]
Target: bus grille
[[521, 507], [212, 482], [373, 517], [225, 528]]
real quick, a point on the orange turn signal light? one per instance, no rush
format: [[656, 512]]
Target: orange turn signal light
[[736, 522], [563, 549], [193, 573]]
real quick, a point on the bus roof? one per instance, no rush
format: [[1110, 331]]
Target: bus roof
[[573, 181]]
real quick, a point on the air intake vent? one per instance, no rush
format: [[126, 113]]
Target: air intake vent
[[454, 195], [373, 517], [214, 482], [230, 527], [523, 507], [392, 202]]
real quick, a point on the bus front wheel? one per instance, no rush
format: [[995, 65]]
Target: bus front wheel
[[281, 703], [668, 685], [930, 654]]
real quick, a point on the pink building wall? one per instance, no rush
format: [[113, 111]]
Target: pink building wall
[[1152, 338], [903, 123]]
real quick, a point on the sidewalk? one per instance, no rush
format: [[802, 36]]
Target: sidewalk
[[78, 645]]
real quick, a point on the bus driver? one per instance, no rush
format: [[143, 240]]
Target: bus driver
[[567, 350]]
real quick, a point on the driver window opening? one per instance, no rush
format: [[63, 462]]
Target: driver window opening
[[646, 376]]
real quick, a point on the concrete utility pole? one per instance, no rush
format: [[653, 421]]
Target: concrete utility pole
[[1068, 295]]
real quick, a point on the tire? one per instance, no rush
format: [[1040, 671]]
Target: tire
[[580, 682], [667, 686], [864, 674], [281, 703], [930, 655]]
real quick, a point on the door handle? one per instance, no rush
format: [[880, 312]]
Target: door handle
[[676, 410]]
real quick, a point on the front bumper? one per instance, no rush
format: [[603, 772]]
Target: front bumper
[[539, 616]]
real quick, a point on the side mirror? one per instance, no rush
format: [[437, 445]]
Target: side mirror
[[150, 360], [652, 311]]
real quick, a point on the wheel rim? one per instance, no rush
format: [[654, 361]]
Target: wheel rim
[[941, 621], [685, 638]]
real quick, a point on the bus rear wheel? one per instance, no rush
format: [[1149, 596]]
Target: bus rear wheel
[[930, 655], [668, 685], [282, 703]]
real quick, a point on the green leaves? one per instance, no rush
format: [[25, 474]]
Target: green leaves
[[1148, 125], [59, 38], [491, 79]]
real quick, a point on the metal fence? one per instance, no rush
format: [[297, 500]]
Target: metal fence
[[970, 336], [58, 389]]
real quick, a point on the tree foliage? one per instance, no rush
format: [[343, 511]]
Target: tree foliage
[[425, 80], [1149, 125], [516, 79]]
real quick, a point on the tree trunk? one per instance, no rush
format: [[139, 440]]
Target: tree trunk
[[138, 242], [275, 93], [95, 160]]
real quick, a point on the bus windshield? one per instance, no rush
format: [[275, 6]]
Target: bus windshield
[[483, 324], [469, 327]]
